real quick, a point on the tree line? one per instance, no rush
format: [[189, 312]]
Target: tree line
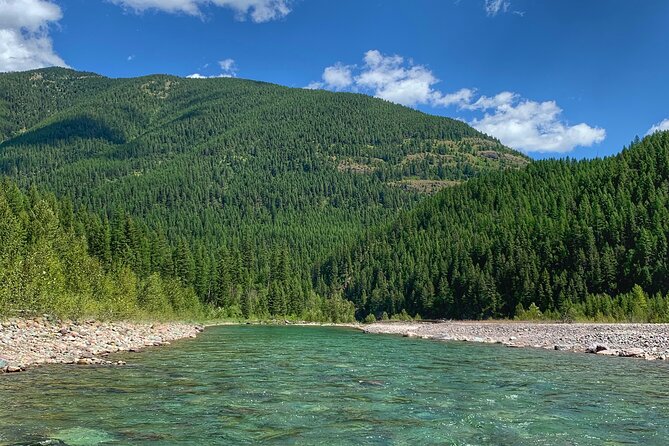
[[567, 239]]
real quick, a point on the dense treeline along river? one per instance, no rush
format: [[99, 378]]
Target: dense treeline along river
[[313, 385]]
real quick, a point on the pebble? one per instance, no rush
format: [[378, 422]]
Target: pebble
[[649, 341], [30, 342]]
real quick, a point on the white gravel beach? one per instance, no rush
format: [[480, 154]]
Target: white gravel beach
[[649, 341], [30, 342]]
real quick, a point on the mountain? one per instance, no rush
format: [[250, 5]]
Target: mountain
[[251, 182], [571, 239]]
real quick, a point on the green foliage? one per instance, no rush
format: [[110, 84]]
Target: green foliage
[[369, 319], [566, 239], [233, 187], [634, 306], [45, 267], [531, 314]]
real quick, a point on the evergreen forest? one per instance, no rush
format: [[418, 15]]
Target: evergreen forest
[[188, 198]]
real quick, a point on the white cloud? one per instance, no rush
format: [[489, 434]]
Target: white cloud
[[24, 34], [519, 123], [391, 78], [532, 126], [228, 69], [338, 76], [659, 127], [314, 86], [493, 7], [258, 10], [485, 102]]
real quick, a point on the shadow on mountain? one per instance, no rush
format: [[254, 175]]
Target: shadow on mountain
[[82, 127]]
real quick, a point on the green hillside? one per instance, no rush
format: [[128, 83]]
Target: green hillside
[[579, 239], [46, 267], [252, 182]]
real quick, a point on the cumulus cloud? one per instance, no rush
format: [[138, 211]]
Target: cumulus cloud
[[494, 7], [532, 126], [337, 77], [258, 10], [460, 98], [485, 102], [228, 69], [659, 127], [24, 34], [517, 122], [392, 78]]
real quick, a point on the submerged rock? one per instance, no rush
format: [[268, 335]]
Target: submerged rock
[[45, 442], [370, 382], [82, 436]]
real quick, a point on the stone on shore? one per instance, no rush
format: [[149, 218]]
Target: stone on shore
[[596, 348], [633, 352], [30, 342], [649, 341]]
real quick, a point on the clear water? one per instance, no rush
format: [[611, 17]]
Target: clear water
[[312, 385]]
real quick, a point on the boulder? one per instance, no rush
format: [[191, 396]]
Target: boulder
[[633, 353], [596, 348], [609, 352]]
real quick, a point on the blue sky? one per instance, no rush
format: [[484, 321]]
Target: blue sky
[[553, 78]]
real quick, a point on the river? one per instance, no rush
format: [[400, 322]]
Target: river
[[316, 385]]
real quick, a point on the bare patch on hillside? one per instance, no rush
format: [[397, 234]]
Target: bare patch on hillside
[[425, 186]]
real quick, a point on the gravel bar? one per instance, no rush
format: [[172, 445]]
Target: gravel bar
[[26, 343], [649, 341]]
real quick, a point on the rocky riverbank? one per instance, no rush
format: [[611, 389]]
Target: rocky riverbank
[[649, 341], [30, 342]]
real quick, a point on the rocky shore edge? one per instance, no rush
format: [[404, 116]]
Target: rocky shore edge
[[26, 343], [647, 341]]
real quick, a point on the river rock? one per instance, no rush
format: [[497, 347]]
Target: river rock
[[596, 348], [633, 352], [609, 352]]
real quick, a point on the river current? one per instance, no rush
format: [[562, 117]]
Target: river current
[[333, 386]]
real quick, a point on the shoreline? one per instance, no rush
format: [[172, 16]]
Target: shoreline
[[28, 343], [647, 341]]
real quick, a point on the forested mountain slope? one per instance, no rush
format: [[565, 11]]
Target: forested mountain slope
[[45, 265], [573, 237], [248, 180]]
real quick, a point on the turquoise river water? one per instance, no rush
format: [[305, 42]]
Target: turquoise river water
[[312, 385]]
